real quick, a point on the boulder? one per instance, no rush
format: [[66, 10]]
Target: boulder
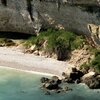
[[44, 80], [73, 77], [90, 74], [56, 79], [92, 80], [47, 93], [51, 86], [67, 88]]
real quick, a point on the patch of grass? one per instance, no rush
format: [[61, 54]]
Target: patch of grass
[[2, 40], [29, 42], [78, 42], [6, 42], [59, 42], [95, 63]]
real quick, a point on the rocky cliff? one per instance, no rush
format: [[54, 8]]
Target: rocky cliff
[[29, 16]]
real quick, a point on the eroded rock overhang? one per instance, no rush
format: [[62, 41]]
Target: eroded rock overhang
[[29, 16]]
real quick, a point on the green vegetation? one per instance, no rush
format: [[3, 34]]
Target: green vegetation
[[59, 42], [6, 42], [95, 63]]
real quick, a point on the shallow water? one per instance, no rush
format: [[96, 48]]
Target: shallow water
[[16, 85]]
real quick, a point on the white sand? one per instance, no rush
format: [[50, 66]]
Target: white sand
[[14, 58]]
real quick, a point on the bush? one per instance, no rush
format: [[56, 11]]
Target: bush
[[77, 43], [6, 42], [59, 42], [29, 42], [96, 61]]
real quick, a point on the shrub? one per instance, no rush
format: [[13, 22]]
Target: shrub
[[96, 61], [6, 42], [59, 42], [77, 43]]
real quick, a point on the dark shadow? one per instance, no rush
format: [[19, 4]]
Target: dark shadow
[[4, 2], [14, 35], [30, 9]]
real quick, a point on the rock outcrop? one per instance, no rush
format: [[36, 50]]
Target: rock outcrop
[[29, 16], [19, 16], [91, 80]]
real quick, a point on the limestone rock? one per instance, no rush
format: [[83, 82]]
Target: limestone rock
[[29, 16], [91, 80], [90, 74]]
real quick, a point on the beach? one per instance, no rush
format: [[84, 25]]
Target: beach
[[13, 57], [20, 76]]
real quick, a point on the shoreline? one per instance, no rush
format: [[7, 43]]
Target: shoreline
[[12, 57], [26, 71]]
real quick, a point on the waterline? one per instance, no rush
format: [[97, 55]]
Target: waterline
[[33, 72], [20, 85]]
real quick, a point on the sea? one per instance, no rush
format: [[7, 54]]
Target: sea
[[19, 85]]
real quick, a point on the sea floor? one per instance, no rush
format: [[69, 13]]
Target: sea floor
[[18, 85]]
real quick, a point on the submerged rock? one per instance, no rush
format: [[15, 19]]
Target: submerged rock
[[47, 93]]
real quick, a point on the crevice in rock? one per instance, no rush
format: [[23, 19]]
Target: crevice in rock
[[4, 2], [30, 9], [58, 4]]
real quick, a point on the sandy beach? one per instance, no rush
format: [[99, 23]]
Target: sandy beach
[[16, 59]]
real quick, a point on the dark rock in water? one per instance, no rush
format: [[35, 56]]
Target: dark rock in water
[[66, 88], [76, 74], [47, 93], [73, 77], [44, 80], [78, 81], [56, 79], [58, 91], [51, 85], [92, 82], [68, 80]]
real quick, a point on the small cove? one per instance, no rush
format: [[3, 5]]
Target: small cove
[[18, 85]]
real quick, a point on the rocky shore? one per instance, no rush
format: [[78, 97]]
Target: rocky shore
[[62, 72], [91, 79]]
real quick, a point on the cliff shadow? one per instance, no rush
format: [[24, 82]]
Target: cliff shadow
[[14, 35]]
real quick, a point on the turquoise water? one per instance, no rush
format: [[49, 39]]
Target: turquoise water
[[16, 85]]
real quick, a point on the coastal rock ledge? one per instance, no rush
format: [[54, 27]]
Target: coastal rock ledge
[[29, 16], [91, 79]]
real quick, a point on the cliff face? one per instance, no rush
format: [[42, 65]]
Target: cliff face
[[16, 16], [29, 16]]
